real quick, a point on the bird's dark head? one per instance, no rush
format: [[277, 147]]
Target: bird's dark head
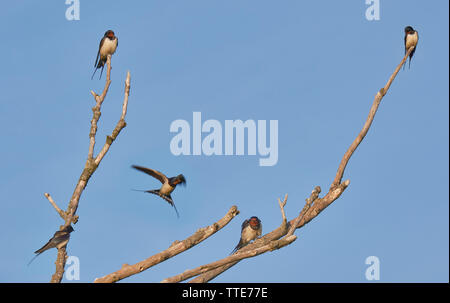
[[179, 179], [409, 29], [109, 34], [254, 222]]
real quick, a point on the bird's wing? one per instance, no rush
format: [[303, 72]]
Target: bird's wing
[[96, 60], [417, 43], [61, 235], [48, 245], [406, 35], [98, 53], [245, 224], [154, 173], [58, 237]]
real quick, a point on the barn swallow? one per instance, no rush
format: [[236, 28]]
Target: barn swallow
[[250, 230], [107, 46], [168, 184], [411, 39], [60, 239]]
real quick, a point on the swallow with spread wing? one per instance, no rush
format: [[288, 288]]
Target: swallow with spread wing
[[60, 239], [250, 230], [168, 184], [108, 46], [411, 39]]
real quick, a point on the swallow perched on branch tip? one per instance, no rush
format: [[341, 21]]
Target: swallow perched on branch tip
[[108, 46], [411, 39]]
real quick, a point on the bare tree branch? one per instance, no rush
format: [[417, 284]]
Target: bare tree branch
[[96, 109], [60, 263], [313, 197], [381, 93], [61, 213], [91, 163], [176, 248], [120, 125], [314, 205], [241, 253], [282, 205], [273, 245]]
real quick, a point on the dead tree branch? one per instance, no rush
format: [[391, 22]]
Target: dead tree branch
[[373, 110], [273, 245], [61, 213], [314, 205], [91, 164], [176, 248], [242, 253]]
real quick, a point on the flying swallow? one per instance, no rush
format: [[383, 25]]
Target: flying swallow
[[411, 39], [168, 184], [251, 229], [107, 46], [60, 239]]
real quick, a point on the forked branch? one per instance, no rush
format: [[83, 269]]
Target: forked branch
[[91, 164]]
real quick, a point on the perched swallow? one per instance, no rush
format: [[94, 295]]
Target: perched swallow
[[411, 39], [107, 46], [251, 229], [168, 184], [60, 239]]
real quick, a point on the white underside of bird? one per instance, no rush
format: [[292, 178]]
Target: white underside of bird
[[411, 40], [166, 189], [108, 48], [249, 234]]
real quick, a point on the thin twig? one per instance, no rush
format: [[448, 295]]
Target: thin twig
[[96, 109], [120, 124], [58, 210], [282, 205]]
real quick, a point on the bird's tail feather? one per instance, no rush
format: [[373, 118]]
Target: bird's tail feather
[[168, 198], [239, 246], [173, 204], [33, 259], [156, 191], [95, 69], [101, 72]]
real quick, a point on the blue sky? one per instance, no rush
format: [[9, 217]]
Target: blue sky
[[314, 66]]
